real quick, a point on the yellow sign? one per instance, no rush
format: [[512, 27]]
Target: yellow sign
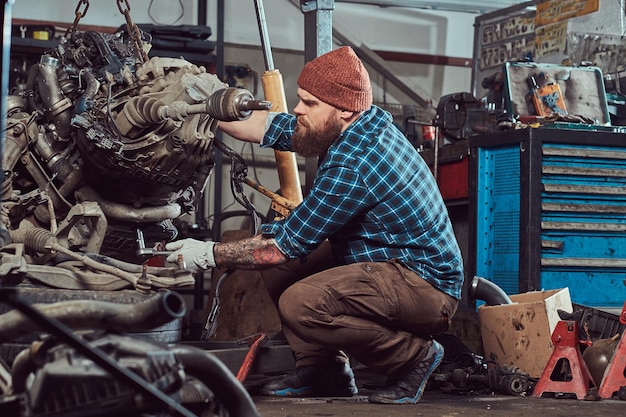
[[555, 11]]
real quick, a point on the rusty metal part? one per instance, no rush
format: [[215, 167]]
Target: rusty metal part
[[227, 104], [79, 14], [133, 29], [280, 204], [126, 212], [44, 242], [69, 231], [504, 379]]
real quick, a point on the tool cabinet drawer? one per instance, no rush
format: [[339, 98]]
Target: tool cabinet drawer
[[550, 212]]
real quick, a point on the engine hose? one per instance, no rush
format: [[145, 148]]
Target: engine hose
[[94, 314], [128, 213], [85, 102], [30, 87], [161, 271], [483, 289], [113, 63], [32, 77], [43, 241], [23, 365], [212, 372]]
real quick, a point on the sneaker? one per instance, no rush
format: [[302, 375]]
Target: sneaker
[[409, 388], [332, 380]]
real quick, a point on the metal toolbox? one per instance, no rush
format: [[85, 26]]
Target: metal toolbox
[[550, 212], [580, 90]]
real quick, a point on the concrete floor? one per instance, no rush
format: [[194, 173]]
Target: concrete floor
[[437, 404], [439, 400]]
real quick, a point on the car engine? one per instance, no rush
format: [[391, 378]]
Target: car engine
[[86, 127], [104, 150]]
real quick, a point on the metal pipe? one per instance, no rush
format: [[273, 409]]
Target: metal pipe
[[52, 96], [265, 40], [463, 6], [483, 289], [4, 79]]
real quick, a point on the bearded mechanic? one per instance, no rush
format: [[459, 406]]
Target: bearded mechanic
[[367, 266]]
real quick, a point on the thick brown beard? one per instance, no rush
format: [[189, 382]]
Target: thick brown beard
[[310, 143]]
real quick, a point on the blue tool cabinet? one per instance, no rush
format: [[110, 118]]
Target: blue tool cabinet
[[548, 211]]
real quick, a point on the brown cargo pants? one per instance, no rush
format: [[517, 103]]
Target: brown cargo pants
[[380, 313]]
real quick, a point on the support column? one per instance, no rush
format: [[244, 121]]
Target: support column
[[318, 39]]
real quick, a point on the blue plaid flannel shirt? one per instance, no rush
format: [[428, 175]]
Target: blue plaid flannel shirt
[[374, 198]]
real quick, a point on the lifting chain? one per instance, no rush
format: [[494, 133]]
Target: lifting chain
[[132, 28], [79, 15], [124, 8]]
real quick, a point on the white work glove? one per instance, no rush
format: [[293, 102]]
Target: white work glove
[[197, 254]]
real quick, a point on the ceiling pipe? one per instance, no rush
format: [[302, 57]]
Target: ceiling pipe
[[463, 6]]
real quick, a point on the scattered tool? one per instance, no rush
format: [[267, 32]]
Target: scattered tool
[[255, 342], [152, 252]]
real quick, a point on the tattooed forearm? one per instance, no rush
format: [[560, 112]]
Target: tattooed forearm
[[254, 253]]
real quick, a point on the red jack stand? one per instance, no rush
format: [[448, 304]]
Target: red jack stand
[[565, 340], [614, 378]]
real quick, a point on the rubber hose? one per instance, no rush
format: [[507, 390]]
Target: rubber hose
[[93, 314], [212, 372]]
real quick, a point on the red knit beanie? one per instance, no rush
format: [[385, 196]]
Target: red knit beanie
[[339, 79]]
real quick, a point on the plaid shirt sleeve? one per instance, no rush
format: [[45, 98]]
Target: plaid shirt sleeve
[[279, 128], [336, 197]]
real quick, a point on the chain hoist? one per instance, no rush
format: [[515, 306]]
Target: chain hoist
[[133, 30], [79, 14]]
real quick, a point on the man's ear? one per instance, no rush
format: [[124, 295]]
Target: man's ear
[[349, 116]]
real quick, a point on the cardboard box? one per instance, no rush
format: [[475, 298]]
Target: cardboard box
[[520, 334]]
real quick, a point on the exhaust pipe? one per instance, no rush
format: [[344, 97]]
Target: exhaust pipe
[[487, 291]]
